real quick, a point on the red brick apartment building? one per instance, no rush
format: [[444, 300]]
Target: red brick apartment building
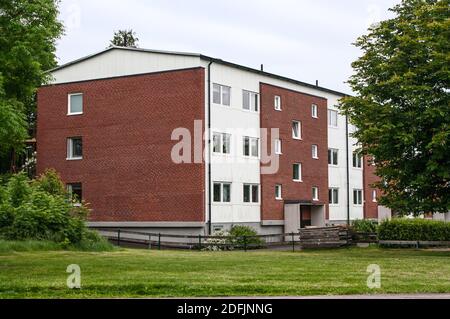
[[106, 123]]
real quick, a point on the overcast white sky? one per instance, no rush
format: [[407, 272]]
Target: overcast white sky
[[304, 39]]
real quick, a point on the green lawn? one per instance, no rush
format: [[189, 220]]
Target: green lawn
[[141, 273]]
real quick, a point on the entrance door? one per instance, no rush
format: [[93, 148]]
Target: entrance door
[[305, 216]]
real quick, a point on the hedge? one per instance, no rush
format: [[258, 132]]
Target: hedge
[[414, 230]]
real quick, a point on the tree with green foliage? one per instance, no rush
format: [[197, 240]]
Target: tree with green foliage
[[125, 38], [28, 34], [401, 105]]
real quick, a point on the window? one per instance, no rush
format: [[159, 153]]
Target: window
[[315, 152], [251, 193], [250, 101], [277, 103], [278, 193], [357, 197], [332, 118], [297, 172], [75, 104], [74, 148], [297, 130], [333, 157], [251, 146], [334, 196], [314, 111], [357, 160], [278, 147], [315, 193], [222, 192], [75, 192], [374, 196], [221, 143], [221, 94]]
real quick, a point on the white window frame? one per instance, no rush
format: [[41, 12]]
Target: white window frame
[[252, 96], [300, 172], [278, 146], [374, 196], [222, 192], [70, 149], [334, 201], [221, 94], [279, 192], [358, 200], [69, 188], [333, 150], [222, 138], [277, 103], [330, 118], [358, 160], [315, 193], [315, 151], [252, 199], [69, 104], [251, 143], [299, 137], [314, 111]]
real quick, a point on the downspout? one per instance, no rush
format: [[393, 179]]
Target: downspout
[[348, 169], [209, 152]]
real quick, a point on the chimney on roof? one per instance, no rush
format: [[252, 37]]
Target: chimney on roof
[[317, 82], [262, 67]]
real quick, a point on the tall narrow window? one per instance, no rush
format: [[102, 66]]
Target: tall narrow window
[[277, 103], [296, 130], [222, 192], [332, 118], [357, 197], [251, 193], [374, 196], [278, 192], [334, 196], [297, 172], [75, 104], [278, 147], [250, 101], [221, 143], [315, 193], [315, 151], [221, 94], [357, 160], [314, 111], [333, 157], [74, 148]]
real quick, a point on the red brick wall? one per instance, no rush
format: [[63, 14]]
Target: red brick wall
[[127, 172], [295, 106], [370, 207]]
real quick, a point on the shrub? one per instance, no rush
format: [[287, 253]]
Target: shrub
[[244, 235], [219, 244], [414, 230], [365, 226]]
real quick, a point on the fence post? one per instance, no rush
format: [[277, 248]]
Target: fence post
[[200, 242], [118, 238], [150, 242], [159, 241], [293, 242], [245, 243]]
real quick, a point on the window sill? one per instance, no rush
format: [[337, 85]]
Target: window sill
[[279, 199], [297, 138], [278, 110], [74, 114], [74, 159], [297, 181]]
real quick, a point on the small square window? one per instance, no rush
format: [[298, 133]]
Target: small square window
[[75, 192], [357, 160], [334, 196], [74, 148], [357, 197], [251, 146], [250, 101], [332, 118], [251, 193], [222, 192], [333, 157], [221, 143], [221, 94], [75, 104]]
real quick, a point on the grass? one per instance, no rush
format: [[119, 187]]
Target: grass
[[7, 246], [141, 273]]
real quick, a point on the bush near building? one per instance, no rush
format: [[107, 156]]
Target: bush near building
[[42, 210], [414, 230]]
